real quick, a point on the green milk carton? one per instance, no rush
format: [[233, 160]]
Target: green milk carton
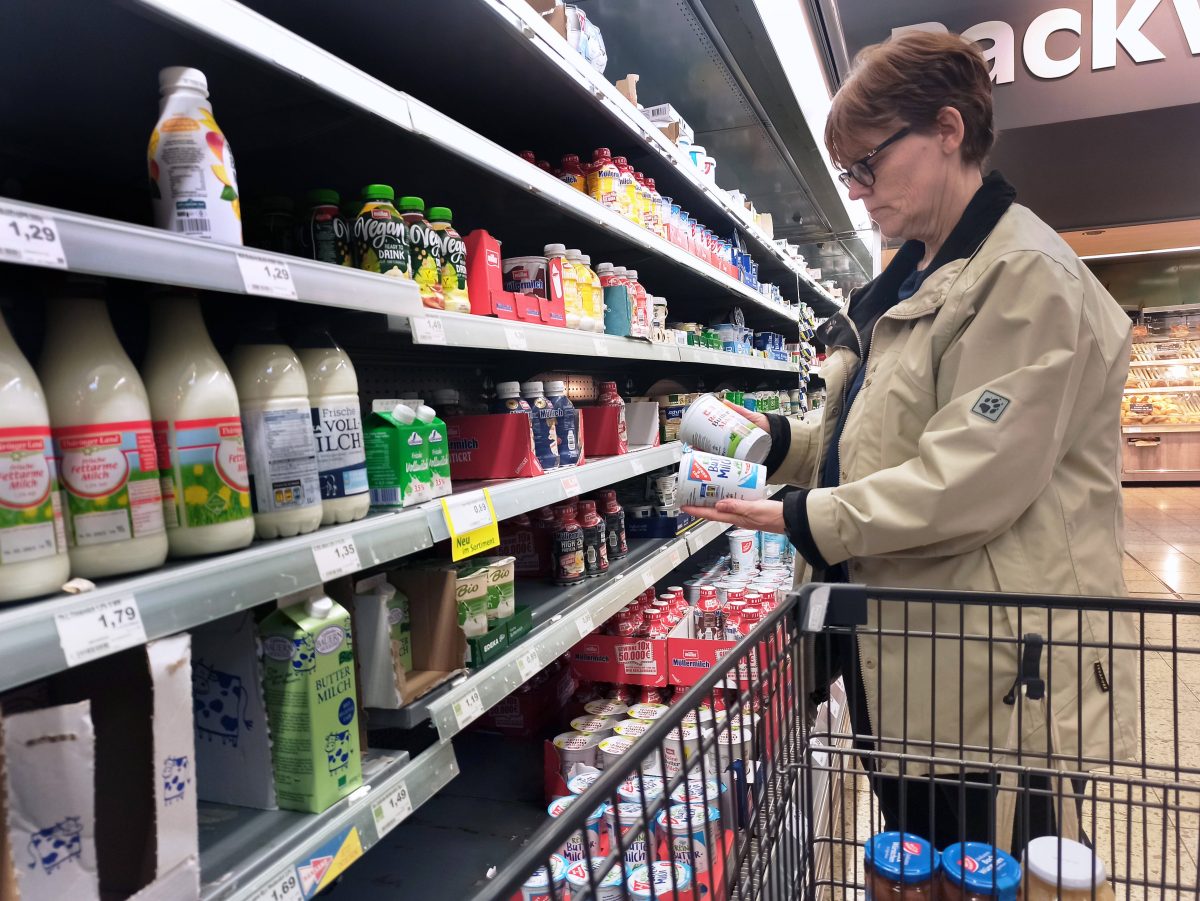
[[308, 681], [437, 450], [397, 457]]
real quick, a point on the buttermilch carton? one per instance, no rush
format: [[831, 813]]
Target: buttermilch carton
[[308, 680]]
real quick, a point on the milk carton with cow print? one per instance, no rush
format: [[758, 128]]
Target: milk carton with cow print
[[308, 681]]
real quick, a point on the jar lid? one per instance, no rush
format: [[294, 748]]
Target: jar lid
[[982, 869], [1074, 865], [889, 852]]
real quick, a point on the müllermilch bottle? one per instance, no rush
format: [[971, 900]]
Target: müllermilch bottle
[[566, 423], [336, 427], [32, 540], [197, 431], [104, 444], [545, 436], [273, 389]]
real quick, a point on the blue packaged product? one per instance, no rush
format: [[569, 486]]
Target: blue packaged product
[[541, 414], [982, 870], [566, 423]]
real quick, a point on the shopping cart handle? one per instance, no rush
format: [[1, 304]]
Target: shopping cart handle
[[1030, 674], [825, 604]]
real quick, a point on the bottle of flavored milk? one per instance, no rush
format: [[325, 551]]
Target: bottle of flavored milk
[[104, 443], [508, 400], [276, 416], [34, 559], [630, 203], [437, 448], [583, 287], [336, 427], [197, 431], [602, 180], [572, 173], [570, 287], [656, 209], [567, 546], [193, 183], [597, 308], [453, 261], [308, 685], [566, 423], [380, 235], [545, 435], [595, 540], [425, 257], [447, 402], [609, 397], [325, 236], [641, 322], [646, 201]]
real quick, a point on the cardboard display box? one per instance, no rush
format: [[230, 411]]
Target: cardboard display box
[[438, 644], [602, 433], [485, 278], [491, 446], [658, 526], [625, 661]]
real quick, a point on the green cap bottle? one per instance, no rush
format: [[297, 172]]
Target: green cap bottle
[[378, 192], [324, 197], [440, 214], [412, 205]]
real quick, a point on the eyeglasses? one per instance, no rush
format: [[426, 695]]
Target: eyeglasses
[[861, 171]]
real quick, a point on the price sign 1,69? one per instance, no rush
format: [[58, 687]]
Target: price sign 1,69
[[283, 887]]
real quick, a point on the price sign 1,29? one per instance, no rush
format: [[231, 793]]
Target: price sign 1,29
[[266, 276], [29, 238]]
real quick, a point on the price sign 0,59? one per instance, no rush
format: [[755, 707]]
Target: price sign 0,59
[[98, 629], [266, 276], [471, 522], [26, 238]]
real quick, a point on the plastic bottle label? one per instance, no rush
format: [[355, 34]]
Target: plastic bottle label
[[204, 476], [568, 555], [328, 237], [381, 241], [454, 271], [341, 456], [109, 474], [30, 521], [282, 459], [545, 436], [193, 182], [425, 251]]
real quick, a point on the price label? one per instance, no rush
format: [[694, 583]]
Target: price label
[[516, 339], [529, 664], [428, 330], [283, 887], [469, 709], [570, 486], [600, 346], [637, 466], [26, 238], [392, 810], [585, 624], [647, 581], [468, 512], [336, 558], [266, 276], [675, 558], [95, 630]]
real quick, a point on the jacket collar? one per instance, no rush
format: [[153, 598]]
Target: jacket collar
[[990, 202]]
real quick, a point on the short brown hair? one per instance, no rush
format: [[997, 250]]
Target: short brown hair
[[909, 79]]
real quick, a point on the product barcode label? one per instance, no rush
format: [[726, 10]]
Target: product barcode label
[[676, 559], [600, 347], [386, 497], [336, 558], [188, 225], [570, 486], [585, 624], [392, 810], [98, 629], [284, 886], [647, 580], [529, 664], [469, 709], [516, 339], [428, 329], [266, 276], [28, 238]]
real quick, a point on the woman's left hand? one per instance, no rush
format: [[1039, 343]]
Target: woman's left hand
[[761, 516]]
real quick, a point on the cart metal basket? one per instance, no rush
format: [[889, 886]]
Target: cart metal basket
[[946, 716]]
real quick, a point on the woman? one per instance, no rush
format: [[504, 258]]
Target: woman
[[970, 440]]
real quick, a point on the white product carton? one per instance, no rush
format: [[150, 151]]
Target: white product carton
[[233, 744]]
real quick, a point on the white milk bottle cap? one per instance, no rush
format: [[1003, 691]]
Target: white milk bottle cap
[[174, 77], [508, 389], [556, 388], [403, 414], [319, 607], [426, 414], [631, 273], [555, 250], [531, 389]]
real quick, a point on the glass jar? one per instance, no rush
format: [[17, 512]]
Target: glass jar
[[899, 866], [975, 871], [1050, 862]]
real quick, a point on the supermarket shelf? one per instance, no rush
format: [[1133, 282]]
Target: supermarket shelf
[[1192, 361], [513, 496], [249, 854], [694, 354], [236, 26], [1178, 389], [1164, 427], [106, 247], [562, 616]]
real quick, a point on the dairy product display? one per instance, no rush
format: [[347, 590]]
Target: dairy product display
[[193, 182], [197, 432], [437, 450], [103, 440], [33, 544], [336, 427], [277, 421], [397, 457]]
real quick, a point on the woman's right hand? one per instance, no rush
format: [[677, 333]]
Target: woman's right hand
[[759, 419]]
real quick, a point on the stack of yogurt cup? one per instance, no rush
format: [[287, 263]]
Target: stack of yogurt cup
[[725, 459]]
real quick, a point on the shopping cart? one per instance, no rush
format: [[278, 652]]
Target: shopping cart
[[939, 716]]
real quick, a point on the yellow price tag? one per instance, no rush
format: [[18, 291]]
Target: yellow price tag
[[471, 522]]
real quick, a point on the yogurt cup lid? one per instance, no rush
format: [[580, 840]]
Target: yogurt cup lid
[[685, 732], [682, 817], [633, 787], [698, 791], [657, 880], [616, 744], [581, 783], [982, 869], [558, 806], [630, 813], [575, 741], [578, 876], [590, 723], [541, 877], [606, 707], [632, 728], [647, 711], [886, 850]]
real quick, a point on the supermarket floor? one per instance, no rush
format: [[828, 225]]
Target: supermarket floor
[[1149, 837]]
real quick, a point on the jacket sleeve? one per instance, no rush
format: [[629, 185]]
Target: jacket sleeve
[[1008, 386], [798, 442]]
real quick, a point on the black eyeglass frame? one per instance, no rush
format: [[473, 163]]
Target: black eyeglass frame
[[860, 170]]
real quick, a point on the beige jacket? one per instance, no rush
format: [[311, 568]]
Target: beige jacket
[[982, 452]]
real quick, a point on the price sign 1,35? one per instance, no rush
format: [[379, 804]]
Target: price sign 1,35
[[98, 629], [336, 558], [266, 276]]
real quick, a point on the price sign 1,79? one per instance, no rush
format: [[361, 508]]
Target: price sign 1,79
[[98, 629]]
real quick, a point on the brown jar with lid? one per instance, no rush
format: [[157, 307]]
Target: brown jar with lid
[[900, 867]]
